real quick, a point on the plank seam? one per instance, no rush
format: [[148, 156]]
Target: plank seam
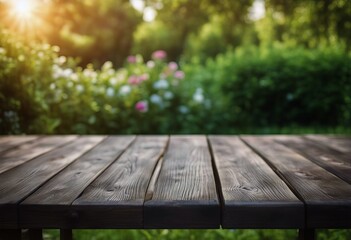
[[326, 167], [61, 169], [217, 180], [280, 175], [273, 168], [155, 173]]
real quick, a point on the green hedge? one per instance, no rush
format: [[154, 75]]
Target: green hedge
[[278, 87]]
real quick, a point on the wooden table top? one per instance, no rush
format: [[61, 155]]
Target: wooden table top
[[178, 181]]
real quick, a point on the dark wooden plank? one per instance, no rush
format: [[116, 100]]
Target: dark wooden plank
[[8, 142], [253, 196], [50, 205], [307, 234], [10, 234], [339, 143], [327, 197], [330, 159], [19, 182], [121, 188], [184, 195], [29, 151], [66, 234], [35, 234]]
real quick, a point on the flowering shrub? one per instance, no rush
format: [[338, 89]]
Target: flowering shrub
[[45, 93], [25, 75]]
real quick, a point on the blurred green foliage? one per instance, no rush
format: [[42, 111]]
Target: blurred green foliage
[[287, 70], [224, 234], [24, 80], [280, 86], [41, 92]]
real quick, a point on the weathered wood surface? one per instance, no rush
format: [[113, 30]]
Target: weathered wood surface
[[327, 198], [184, 195], [334, 161], [342, 144], [115, 199], [174, 182], [8, 142], [253, 195], [21, 181], [50, 205], [30, 150]]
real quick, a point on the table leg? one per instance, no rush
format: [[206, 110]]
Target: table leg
[[307, 234], [35, 234], [14, 234], [66, 234]]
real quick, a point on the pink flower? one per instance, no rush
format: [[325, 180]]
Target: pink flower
[[133, 80], [159, 55], [144, 77], [179, 74], [173, 66], [142, 106], [131, 59]]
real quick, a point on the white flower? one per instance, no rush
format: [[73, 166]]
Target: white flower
[[110, 92], [74, 77], [156, 99], [40, 54], [80, 88], [89, 73], [161, 84], [150, 64], [113, 81], [121, 75], [198, 95], [67, 73], [57, 71], [61, 60], [107, 65], [168, 95], [183, 109], [2, 51], [125, 90]]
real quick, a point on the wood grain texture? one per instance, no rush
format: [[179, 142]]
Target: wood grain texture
[[30, 150], [336, 162], [115, 199], [253, 196], [19, 182], [8, 142], [327, 197], [50, 205], [339, 143], [184, 194]]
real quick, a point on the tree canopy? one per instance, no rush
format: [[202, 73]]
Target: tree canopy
[[96, 31]]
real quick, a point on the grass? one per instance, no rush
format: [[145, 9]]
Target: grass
[[165, 234]]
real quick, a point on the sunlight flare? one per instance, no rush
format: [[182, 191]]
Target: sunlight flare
[[23, 9]]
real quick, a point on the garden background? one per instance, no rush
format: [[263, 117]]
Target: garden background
[[176, 66]]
